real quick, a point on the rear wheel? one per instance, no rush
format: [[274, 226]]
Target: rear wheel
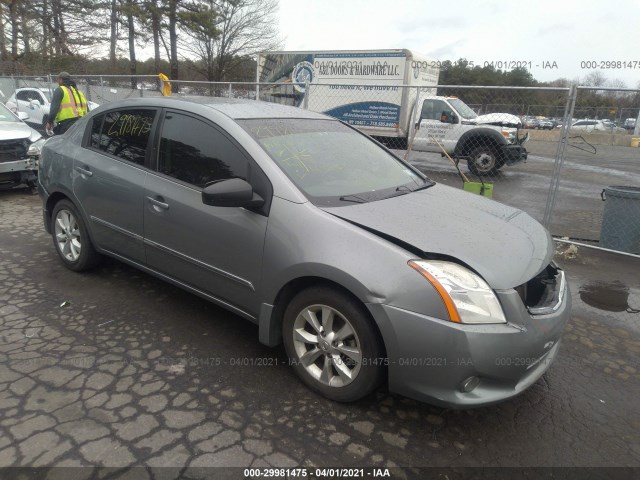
[[333, 345], [71, 239], [484, 161]]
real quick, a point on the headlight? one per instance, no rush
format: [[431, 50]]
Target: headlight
[[466, 296], [35, 147], [508, 133]]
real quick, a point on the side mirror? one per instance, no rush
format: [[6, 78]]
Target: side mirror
[[232, 192], [34, 102], [22, 115]]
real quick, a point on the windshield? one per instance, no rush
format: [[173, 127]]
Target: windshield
[[331, 163], [462, 108], [6, 115]]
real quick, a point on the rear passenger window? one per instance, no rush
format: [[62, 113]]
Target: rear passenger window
[[123, 133]]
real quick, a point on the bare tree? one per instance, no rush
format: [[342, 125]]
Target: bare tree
[[3, 43], [199, 23], [241, 28], [595, 79], [113, 38]]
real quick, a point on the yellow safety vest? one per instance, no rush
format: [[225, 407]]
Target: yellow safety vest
[[73, 104]]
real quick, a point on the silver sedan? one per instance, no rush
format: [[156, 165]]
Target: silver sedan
[[365, 269]]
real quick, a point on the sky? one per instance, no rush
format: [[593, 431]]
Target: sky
[[578, 36]]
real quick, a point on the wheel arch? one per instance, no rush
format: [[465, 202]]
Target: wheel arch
[[479, 137], [272, 316], [53, 199], [50, 204]]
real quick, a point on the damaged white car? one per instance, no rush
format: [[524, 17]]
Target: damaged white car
[[19, 150]]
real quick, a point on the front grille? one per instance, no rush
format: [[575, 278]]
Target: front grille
[[12, 150], [540, 290]]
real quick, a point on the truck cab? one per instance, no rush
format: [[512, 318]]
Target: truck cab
[[486, 142]]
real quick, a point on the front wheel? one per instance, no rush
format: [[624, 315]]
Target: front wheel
[[333, 345], [71, 239], [484, 161]]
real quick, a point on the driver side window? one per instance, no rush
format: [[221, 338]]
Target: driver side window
[[432, 109], [195, 152]]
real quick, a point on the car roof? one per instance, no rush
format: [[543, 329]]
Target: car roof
[[234, 108], [42, 89]]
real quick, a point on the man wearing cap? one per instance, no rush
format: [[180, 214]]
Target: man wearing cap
[[67, 105]]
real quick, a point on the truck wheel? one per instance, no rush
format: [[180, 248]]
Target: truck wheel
[[332, 344], [483, 161]]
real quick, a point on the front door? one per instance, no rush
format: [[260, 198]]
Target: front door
[[217, 250], [435, 126]]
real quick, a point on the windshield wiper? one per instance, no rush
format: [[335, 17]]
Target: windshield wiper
[[424, 186], [403, 189], [353, 198]]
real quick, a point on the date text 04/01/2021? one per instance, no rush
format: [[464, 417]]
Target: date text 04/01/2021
[[317, 473]]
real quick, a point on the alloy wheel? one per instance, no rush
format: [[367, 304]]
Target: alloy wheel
[[327, 345], [67, 232]]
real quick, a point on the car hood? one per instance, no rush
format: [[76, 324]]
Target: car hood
[[503, 244], [499, 119], [14, 130]]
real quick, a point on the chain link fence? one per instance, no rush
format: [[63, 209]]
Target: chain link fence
[[547, 151], [597, 200]]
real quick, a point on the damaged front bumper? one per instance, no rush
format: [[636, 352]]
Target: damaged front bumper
[[515, 152], [457, 365], [18, 172]]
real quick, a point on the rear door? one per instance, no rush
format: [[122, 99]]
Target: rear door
[[109, 176], [217, 250]]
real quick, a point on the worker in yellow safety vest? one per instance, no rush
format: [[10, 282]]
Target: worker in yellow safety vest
[[68, 104]]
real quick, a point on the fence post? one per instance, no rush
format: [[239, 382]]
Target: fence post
[[50, 82], [230, 91], [88, 90], [101, 88], [305, 102], [560, 154]]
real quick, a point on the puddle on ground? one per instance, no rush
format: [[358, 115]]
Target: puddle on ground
[[608, 296]]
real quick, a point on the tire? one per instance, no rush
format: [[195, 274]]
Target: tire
[[483, 161], [320, 325], [71, 239]]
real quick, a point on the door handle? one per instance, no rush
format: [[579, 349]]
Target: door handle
[[159, 204], [84, 171]]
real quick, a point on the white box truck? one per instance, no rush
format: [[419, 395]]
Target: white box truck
[[361, 87], [371, 90]]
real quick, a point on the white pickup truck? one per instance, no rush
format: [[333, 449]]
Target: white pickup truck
[[486, 142]]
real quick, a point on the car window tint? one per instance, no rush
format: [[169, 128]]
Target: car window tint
[[125, 134], [96, 126], [24, 96], [197, 153]]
